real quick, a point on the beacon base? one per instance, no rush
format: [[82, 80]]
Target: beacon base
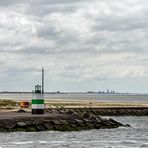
[[37, 111]]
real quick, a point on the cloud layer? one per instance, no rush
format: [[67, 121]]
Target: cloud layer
[[78, 42]]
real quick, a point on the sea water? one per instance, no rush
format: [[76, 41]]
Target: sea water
[[78, 96], [135, 136]]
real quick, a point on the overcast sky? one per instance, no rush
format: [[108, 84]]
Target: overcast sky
[[83, 45]]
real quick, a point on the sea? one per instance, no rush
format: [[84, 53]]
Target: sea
[[135, 136], [80, 96]]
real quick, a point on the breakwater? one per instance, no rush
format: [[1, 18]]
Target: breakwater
[[58, 120], [67, 119], [104, 111]]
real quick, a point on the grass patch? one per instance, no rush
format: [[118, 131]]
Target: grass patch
[[7, 103]]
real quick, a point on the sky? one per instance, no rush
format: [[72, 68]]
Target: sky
[[84, 45]]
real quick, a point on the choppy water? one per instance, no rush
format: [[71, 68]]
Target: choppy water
[[129, 137]]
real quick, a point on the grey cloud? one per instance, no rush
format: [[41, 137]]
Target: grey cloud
[[54, 1], [75, 40], [9, 2], [20, 70], [119, 24], [36, 2], [33, 50], [45, 7], [47, 31]]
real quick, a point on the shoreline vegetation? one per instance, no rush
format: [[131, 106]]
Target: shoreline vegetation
[[57, 103], [100, 108]]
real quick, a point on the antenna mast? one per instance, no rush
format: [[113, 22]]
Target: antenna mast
[[42, 80]]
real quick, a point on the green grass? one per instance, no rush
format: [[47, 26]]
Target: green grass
[[7, 103]]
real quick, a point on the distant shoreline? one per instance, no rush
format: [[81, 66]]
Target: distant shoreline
[[91, 93]]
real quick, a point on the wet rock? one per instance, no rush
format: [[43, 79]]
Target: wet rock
[[58, 127], [79, 122], [21, 124], [2, 129], [90, 126], [127, 125], [115, 122], [68, 127], [40, 128], [31, 129], [12, 130], [49, 126], [21, 129]]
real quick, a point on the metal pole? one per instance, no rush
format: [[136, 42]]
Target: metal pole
[[42, 80]]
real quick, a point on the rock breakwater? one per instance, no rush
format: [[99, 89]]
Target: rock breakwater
[[58, 120], [108, 111]]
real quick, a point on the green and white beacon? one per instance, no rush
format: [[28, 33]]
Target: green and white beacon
[[38, 101], [38, 98]]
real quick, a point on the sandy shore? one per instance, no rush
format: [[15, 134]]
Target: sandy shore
[[80, 104], [90, 104]]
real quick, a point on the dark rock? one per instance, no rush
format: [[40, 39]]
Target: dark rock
[[21, 124], [46, 121], [64, 122], [21, 111], [73, 127], [38, 122], [90, 126], [31, 129], [127, 125], [49, 126], [40, 127], [11, 130], [61, 112], [86, 120], [86, 115], [115, 122], [21, 129], [79, 122], [29, 122], [2, 129], [10, 125], [67, 111], [56, 122], [97, 125], [85, 127], [49, 110], [58, 127], [68, 127]]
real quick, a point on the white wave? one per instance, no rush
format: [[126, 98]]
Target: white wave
[[23, 142], [44, 142]]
